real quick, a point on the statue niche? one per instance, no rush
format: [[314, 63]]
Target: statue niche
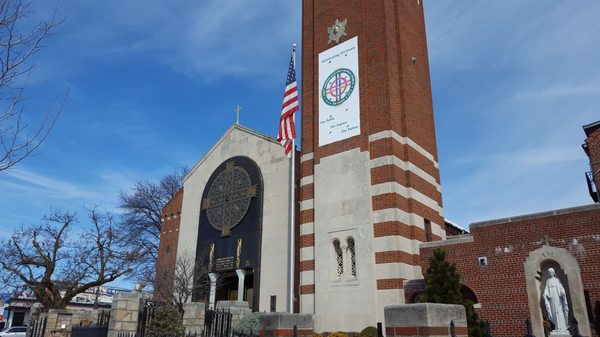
[[555, 299]]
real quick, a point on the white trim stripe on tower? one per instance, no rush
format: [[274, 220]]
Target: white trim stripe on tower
[[405, 141], [406, 166]]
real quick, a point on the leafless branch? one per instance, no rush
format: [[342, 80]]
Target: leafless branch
[[57, 267], [17, 46], [142, 218], [188, 278]]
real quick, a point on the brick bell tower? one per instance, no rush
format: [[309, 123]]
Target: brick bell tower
[[370, 185]]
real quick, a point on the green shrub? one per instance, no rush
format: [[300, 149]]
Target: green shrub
[[316, 334], [353, 334], [369, 331], [325, 333], [166, 322], [339, 334], [249, 324]]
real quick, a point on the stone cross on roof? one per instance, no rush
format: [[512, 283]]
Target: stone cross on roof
[[237, 110]]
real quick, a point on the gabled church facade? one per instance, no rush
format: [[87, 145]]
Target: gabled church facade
[[233, 220]]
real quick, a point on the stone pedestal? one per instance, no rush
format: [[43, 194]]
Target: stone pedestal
[[425, 319], [59, 320], [238, 310], [193, 317], [281, 324], [124, 313]]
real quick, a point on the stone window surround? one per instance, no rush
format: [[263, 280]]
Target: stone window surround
[[349, 270]]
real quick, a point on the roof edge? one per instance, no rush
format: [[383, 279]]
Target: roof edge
[[562, 211], [590, 128], [222, 138]]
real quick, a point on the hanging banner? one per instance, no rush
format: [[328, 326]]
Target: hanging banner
[[339, 99]]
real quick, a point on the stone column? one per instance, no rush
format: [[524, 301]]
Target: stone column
[[124, 313], [193, 317], [425, 319], [51, 323], [213, 290], [241, 276]]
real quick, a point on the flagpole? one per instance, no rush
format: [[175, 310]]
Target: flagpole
[[292, 233]]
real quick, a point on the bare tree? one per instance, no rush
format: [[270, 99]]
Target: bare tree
[[56, 267], [188, 279], [142, 218], [17, 46]]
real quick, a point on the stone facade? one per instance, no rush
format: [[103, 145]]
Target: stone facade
[[274, 167]]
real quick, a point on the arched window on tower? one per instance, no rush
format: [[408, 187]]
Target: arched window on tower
[[339, 259], [352, 252]]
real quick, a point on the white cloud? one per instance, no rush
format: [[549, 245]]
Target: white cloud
[[202, 39], [514, 82], [50, 187]]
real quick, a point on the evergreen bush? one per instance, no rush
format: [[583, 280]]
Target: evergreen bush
[[249, 324], [369, 331], [166, 322], [443, 286], [339, 334]]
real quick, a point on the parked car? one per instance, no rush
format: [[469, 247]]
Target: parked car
[[14, 331]]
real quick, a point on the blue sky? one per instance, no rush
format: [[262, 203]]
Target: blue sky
[[153, 85]]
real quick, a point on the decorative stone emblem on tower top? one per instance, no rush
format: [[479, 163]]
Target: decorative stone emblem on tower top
[[337, 30]]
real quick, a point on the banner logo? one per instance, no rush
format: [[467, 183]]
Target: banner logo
[[338, 87]]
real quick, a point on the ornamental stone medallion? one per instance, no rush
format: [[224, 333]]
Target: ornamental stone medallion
[[229, 198], [337, 30]]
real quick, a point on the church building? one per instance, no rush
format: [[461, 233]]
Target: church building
[[367, 199]]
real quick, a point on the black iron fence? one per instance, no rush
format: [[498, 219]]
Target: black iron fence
[[217, 323], [146, 315], [96, 329]]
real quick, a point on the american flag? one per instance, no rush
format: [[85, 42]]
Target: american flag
[[287, 126]]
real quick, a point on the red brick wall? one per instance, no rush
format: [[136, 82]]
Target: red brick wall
[[395, 94], [500, 287], [167, 249], [452, 230]]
